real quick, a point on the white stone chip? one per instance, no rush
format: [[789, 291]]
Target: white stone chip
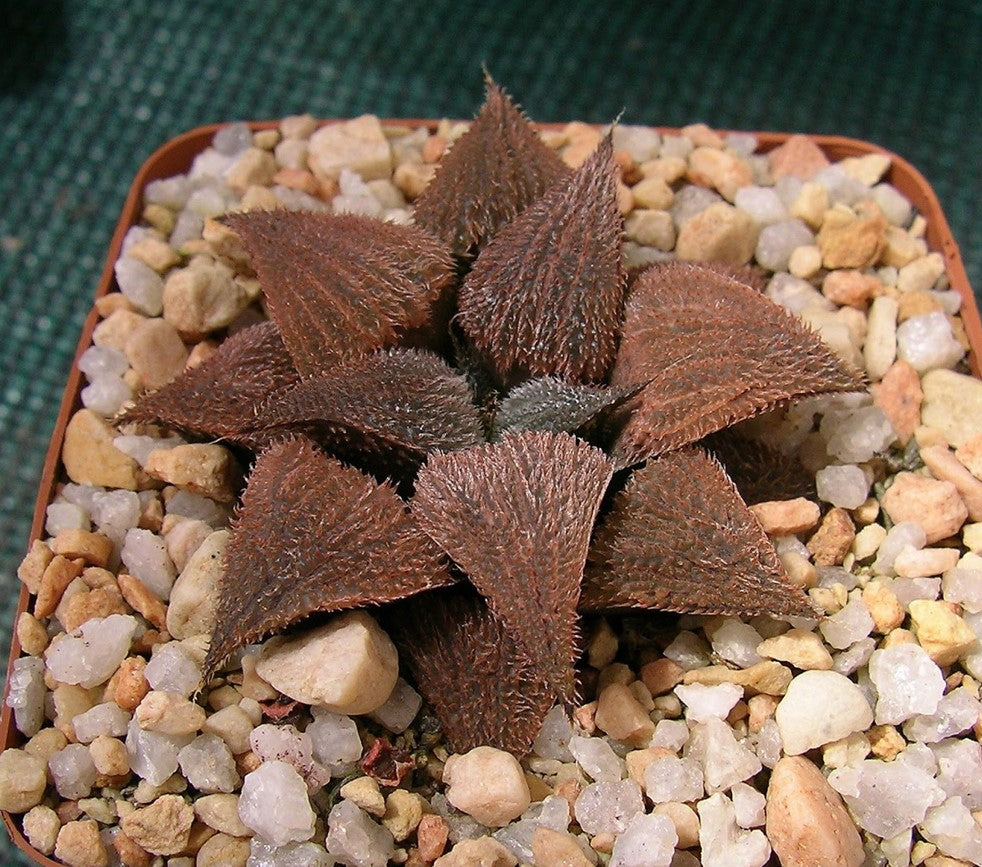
[[334, 739], [26, 693], [723, 843], [703, 702], [597, 758], [209, 765], [608, 807], [670, 778], [171, 668], [141, 285], [274, 804], [263, 854], [153, 756], [957, 712], [353, 838], [856, 435], [724, 759], [926, 342], [648, 839], [886, 798], [959, 763], [89, 655], [952, 828], [907, 682], [73, 771], [842, 485], [850, 624], [65, 516], [400, 708], [736, 642], [145, 556], [748, 805], [818, 708], [898, 537], [106, 719], [552, 741]]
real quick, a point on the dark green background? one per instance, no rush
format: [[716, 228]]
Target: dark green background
[[89, 89]]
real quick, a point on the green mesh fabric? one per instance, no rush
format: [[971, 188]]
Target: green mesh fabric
[[88, 88]]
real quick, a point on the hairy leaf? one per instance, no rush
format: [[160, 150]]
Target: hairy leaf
[[516, 517], [552, 405], [492, 172], [220, 398], [679, 538], [712, 351], [761, 473], [341, 285], [482, 683], [545, 296], [313, 535], [384, 411]]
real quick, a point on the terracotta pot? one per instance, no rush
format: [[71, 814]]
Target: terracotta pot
[[175, 157]]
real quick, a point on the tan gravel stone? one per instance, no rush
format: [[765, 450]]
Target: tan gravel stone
[[832, 540], [970, 455], [620, 715], [109, 756], [787, 517], [807, 823], [128, 685], [924, 562], [252, 166], [31, 634], [202, 298], [487, 784], [852, 238], [298, 126], [79, 845], [480, 852], [90, 458], [163, 827], [223, 850], [851, 288], [57, 576], [901, 247], [136, 593], [31, 568], [23, 777], [651, 228], [226, 243], [94, 548], [45, 744], [412, 178], [885, 742], [156, 352], [582, 140], [194, 596], [883, 606], [719, 169], [221, 812], [880, 346], [900, 397], [207, 469], [952, 403], [685, 820], [348, 665], [921, 274], [720, 233], [868, 541], [41, 825], [154, 252], [637, 761], [116, 329], [761, 708], [917, 303], [810, 205], [364, 792], [798, 157], [669, 169], [169, 714], [868, 169], [946, 466], [661, 675], [431, 836], [82, 607], [652, 193], [941, 632], [805, 261], [557, 848], [767, 677], [403, 812], [934, 504], [802, 649], [359, 145]]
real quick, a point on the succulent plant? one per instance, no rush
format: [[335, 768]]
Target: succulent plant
[[484, 425]]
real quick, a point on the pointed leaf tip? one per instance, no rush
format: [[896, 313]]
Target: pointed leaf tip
[[313, 535], [545, 296], [341, 285], [679, 538], [492, 172]]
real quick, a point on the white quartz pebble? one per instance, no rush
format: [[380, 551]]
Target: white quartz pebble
[[850, 624], [107, 719], [926, 342], [26, 693], [597, 758], [552, 741], [209, 765], [145, 555], [736, 642], [608, 807], [957, 712], [73, 771], [91, 654], [171, 668], [400, 708], [353, 838], [842, 485], [907, 683], [648, 839], [274, 804], [65, 516], [670, 778], [703, 702], [724, 759], [334, 740], [723, 843], [820, 707]]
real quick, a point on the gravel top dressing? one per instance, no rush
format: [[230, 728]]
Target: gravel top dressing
[[482, 496]]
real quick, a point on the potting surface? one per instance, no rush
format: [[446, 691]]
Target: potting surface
[[88, 90]]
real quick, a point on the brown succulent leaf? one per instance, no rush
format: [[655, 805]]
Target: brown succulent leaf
[[516, 517], [679, 538], [492, 172], [384, 411], [713, 351], [343, 284], [552, 405], [761, 473], [313, 535], [220, 398], [483, 684], [545, 296]]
